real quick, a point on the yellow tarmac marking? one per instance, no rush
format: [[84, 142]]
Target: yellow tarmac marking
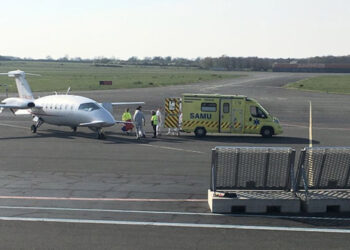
[[311, 168], [310, 126]]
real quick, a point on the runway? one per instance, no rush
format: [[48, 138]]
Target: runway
[[60, 189]]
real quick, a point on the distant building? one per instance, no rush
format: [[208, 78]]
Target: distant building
[[312, 67]]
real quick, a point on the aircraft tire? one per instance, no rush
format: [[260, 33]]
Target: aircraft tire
[[33, 129]]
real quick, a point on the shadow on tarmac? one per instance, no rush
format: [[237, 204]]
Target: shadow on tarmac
[[111, 137], [255, 139], [329, 219], [114, 137], [330, 222]]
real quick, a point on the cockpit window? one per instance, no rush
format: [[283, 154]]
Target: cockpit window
[[257, 112], [90, 106]]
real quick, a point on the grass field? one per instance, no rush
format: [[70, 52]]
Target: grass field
[[339, 84], [56, 76]]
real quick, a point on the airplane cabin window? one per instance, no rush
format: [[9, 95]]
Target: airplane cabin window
[[90, 106]]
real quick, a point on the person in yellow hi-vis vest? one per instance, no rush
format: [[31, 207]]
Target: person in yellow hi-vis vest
[[128, 125], [154, 122]]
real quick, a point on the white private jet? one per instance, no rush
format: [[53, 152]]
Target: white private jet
[[62, 110]]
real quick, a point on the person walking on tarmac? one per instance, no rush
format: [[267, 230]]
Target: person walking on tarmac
[[154, 122], [127, 118], [160, 121], [139, 120]]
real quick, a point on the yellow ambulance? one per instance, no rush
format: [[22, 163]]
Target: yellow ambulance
[[214, 113]]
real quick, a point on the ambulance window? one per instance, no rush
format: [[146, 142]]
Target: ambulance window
[[208, 107], [172, 105], [226, 108], [257, 112]]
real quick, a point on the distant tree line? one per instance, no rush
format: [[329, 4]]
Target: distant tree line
[[224, 62]]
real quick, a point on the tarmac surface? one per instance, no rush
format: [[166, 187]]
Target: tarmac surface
[[66, 190]]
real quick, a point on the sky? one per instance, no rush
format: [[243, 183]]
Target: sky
[[177, 28]]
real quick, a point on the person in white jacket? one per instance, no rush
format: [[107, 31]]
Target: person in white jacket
[[160, 121], [140, 121]]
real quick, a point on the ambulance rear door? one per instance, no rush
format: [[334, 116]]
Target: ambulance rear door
[[172, 110]]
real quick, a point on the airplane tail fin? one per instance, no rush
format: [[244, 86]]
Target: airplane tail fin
[[24, 90]]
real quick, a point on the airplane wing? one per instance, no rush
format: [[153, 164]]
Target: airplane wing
[[93, 124], [109, 105], [124, 122], [126, 103]]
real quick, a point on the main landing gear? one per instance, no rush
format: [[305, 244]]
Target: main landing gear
[[37, 123], [100, 135]]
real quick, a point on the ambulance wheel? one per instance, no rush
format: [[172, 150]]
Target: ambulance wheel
[[267, 132], [33, 128], [200, 132]]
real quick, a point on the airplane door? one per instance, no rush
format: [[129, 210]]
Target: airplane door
[[225, 116]]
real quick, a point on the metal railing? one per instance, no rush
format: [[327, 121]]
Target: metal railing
[[252, 168], [323, 168]]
